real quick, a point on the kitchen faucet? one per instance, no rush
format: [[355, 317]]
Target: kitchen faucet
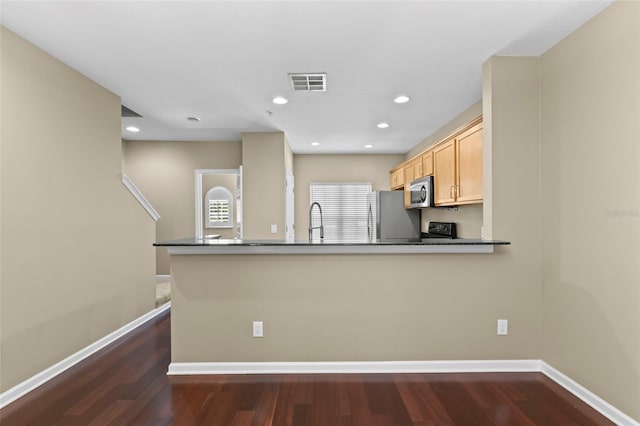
[[311, 227]]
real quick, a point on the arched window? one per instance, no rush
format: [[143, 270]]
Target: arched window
[[218, 207]]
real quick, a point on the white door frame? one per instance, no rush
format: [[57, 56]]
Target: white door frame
[[198, 173], [289, 207]]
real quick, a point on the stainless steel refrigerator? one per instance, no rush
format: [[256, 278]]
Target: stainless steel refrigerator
[[388, 220]]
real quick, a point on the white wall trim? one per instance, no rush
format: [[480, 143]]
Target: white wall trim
[[597, 403], [141, 198], [163, 278], [188, 368], [44, 376]]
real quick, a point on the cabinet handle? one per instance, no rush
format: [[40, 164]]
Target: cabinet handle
[[451, 191]]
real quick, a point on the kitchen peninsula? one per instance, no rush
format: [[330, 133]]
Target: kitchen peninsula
[[320, 302]]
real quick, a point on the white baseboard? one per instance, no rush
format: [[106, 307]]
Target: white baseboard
[[162, 278], [44, 376], [597, 403], [187, 368]]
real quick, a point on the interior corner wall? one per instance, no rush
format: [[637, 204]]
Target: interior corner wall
[[164, 173], [511, 145], [591, 205], [511, 172], [263, 184], [76, 256]]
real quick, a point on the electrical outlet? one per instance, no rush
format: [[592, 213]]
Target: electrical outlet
[[274, 229], [258, 329], [503, 327]]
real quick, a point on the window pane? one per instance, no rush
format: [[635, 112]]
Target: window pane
[[344, 209]]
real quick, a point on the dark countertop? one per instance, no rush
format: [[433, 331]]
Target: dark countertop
[[207, 242], [200, 246]]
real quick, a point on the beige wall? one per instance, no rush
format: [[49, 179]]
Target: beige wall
[[77, 261], [264, 161], [337, 168], [511, 160], [460, 120], [164, 173], [591, 206], [352, 308]]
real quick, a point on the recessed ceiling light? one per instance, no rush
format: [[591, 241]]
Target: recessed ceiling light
[[383, 125], [194, 119], [368, 146], [401, 99], [279, 100], [133, 129], [315, 143]]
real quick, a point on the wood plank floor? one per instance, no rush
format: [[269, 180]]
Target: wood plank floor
[[126, 384]]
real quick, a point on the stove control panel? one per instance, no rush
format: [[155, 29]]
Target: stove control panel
[[446, 229]]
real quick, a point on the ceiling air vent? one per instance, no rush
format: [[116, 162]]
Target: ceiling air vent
[[316, 82]]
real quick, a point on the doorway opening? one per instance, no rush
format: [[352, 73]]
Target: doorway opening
[[218, 203]]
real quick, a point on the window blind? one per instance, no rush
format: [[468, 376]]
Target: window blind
[[344, 210]]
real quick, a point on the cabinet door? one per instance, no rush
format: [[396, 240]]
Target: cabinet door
[[417, 168], [427, 164], [444, 170], [397, 179], [393, 176], [469, 165], [408, 178]]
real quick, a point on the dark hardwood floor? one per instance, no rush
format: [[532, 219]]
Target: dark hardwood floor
[[126, 384]]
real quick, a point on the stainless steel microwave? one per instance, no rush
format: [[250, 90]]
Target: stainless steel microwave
[[422, 192]]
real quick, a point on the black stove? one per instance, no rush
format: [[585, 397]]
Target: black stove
[[440, 230]]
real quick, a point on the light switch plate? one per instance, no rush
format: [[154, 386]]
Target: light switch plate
[[274, 229]]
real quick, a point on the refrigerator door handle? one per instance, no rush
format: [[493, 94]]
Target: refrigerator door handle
[[369, 222]]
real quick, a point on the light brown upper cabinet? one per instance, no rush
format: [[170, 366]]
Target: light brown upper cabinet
[[417, 168], [408, 178], [469, 166], [457, 167], [427, 164], [455, 163], [397, 178], [444, 167]]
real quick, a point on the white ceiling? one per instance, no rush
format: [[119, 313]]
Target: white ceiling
[[224, 61]]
